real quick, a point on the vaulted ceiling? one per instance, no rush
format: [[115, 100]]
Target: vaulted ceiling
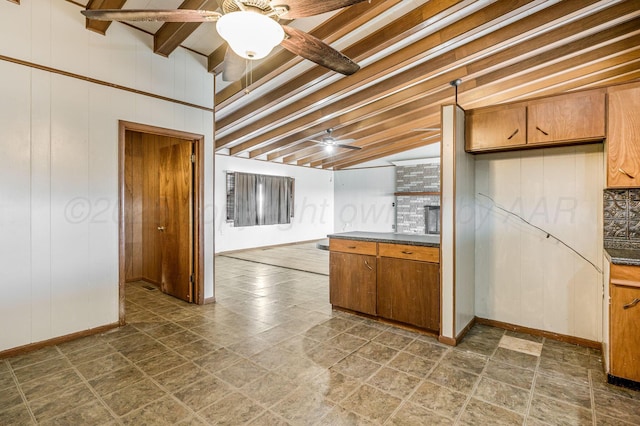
[[409, 52]]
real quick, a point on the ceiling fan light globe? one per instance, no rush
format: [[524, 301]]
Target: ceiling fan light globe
[[250, 34]]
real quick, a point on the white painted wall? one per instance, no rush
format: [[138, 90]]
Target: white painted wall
[[465, 224], [313, 214], [58, 161], [523, 277], [364, 199], [457, 234]]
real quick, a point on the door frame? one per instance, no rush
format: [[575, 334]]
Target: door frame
[[198, 203]]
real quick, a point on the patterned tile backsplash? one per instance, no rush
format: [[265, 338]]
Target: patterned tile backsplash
[[621, 217], [410, 209]]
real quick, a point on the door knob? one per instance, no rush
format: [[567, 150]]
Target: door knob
[[161, 228]]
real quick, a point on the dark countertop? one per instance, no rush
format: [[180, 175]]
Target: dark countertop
[[623, 256], [431, 240]]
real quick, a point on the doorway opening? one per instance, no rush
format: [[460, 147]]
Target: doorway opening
[[161, 194]]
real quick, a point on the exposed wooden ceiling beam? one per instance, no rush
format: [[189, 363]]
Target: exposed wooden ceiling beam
[[413, 52], [574, 67], [388, 136], [437, 65], [340, 24], [101, 27], [379, 149], [172, 34], [367, 46], [563, 76]]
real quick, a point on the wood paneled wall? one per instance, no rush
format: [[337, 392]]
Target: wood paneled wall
[[523, 276], [59, 245], [143, 254]]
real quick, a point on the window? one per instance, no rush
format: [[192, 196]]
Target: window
[[259, 199]]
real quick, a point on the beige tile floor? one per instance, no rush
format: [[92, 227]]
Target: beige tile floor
[[272, 352]]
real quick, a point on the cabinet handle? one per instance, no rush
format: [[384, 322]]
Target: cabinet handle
[[406, 252], [161, 228], [631, 304], [621, 170], [351, 247], [543, 132], [513, 134], [368, 266]]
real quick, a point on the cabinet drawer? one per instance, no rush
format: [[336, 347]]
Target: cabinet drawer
[[402, 251], [353, 246], [626, 275]]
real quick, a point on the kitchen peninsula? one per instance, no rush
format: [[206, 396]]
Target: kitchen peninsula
[[390, 276]]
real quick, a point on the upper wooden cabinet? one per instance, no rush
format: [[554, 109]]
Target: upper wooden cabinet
[[574, 117], [558, 120], [497, 127], [623, 138]]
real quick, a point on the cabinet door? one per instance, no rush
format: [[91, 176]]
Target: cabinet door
[[496, 128], [409, 292], [352, 282], [623, 137], [625, 332], [574, 117]]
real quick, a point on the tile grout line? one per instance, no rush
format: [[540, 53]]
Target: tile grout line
[[475, 386], [407, 399], [93, 391], [594, 414], [533, 384], [19, 387]]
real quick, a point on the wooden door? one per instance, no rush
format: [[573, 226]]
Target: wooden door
[[352, 281], [574, 117], [623, 139], [409, 292], [625, 332], [176, 220], [496, 128]]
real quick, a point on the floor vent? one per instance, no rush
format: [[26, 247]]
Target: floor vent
[[149, 287]]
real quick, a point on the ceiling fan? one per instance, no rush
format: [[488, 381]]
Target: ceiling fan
[[252, 29], [330, 143]]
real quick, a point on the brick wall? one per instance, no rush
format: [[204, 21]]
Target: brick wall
[[410, 209]]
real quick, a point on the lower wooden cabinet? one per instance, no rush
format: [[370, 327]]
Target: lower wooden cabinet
[[352, 282], [391, 281], [624, 322], [409, 292]]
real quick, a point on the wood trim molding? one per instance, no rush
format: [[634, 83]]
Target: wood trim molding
[[447, 340], [198, 140], [56, 340], [100, 82], [536, 332], [454, 342], [222, 253], [415, 193]]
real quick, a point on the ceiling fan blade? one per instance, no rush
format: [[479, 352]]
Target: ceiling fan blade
[[234, 66], [172, 15], [316, 50], [303, 8], [339, 145]]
